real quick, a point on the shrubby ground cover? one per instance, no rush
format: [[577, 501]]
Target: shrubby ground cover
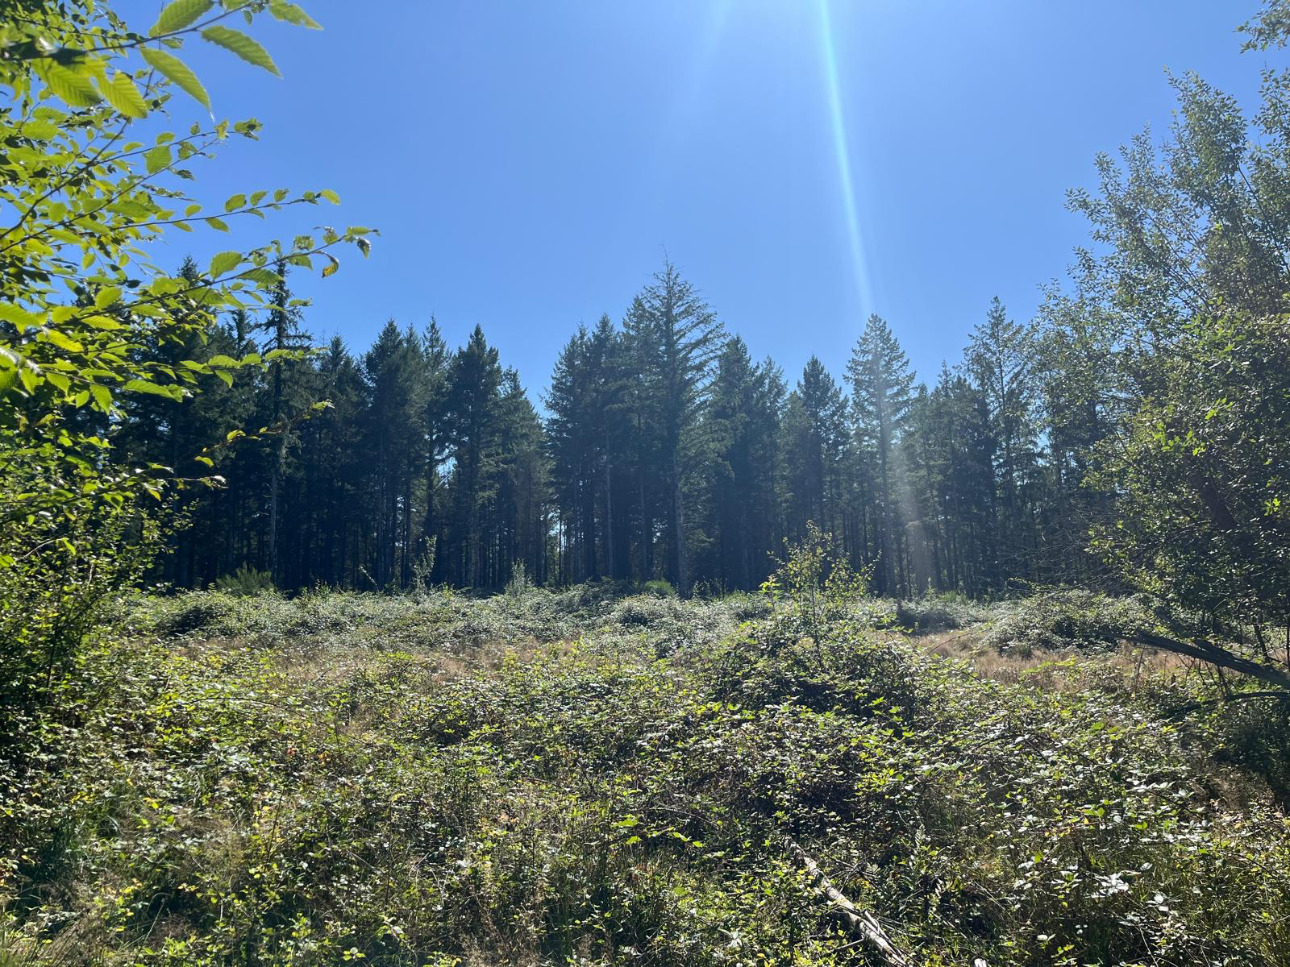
[[581, 777]]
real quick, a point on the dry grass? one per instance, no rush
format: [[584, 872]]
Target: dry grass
[[1054, 671]]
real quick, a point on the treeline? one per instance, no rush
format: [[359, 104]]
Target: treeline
[[427, 464], [1135, 431], [666, 452]]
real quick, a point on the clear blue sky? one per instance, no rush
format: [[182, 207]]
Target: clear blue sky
[[529, 164]]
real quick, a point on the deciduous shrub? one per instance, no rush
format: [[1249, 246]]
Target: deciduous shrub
[[1069, 618]]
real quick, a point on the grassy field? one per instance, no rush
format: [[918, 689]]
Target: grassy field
[[587, 778]]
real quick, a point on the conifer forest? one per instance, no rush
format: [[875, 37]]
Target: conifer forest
[[320, 650]]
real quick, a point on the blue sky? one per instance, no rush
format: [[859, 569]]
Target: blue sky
[[530, 164]]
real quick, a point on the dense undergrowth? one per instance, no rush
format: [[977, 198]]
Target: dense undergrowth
[[585, 778]]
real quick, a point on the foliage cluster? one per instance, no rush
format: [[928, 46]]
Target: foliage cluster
[[91, 329], [1070, 618]]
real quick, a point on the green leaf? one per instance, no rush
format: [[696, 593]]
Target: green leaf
[[102, 396], [64, 342], [225, 262], [157, 158], [264, 278], [108, 295], [330, 195], [124, 96], [40, 130], [152, 389], [292, 14], [73, 85], [235, 202], [218, 224], [178, 15], [332, 267], [20, 318], [364, 246], [178, 72], [242, 45]]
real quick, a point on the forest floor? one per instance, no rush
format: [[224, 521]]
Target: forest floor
[[584, 778]]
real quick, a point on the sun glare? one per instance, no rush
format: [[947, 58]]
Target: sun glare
[[842, 154]]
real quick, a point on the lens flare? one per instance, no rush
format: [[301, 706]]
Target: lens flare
[[842, 151]]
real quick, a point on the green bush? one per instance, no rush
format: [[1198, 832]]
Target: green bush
[[1068, 618], [245, 581], [939, 612]]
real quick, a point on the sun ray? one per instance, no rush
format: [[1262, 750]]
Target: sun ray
[[842, 152]]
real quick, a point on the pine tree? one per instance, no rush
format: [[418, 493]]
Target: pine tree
[[676, 338], [1000, 361], [394, 434], [950, 460], [519, 515], [575, 400], [434, 396], [815, 441], [332, 467], [882, 393], [472, 424], [283, 336], [743, 426]]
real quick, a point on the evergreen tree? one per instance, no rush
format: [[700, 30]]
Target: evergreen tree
[[743, 422], [815, 443], [474, 387], [333, 471], [675, 339], [1000, 360], [434, 446], [283, 336], [951, 450], [394, 434], [518, 518], [882, 393]]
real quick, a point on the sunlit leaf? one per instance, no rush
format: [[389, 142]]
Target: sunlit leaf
[[152, 389], [292, 14], [179, 14], [157, 158], [177, 71], [239, 43], [62, 341], [18, 317], [224, 262], [72, 85], [124, 96]]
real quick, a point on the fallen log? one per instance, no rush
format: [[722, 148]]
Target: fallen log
[[1215, 655], [861, 922]]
